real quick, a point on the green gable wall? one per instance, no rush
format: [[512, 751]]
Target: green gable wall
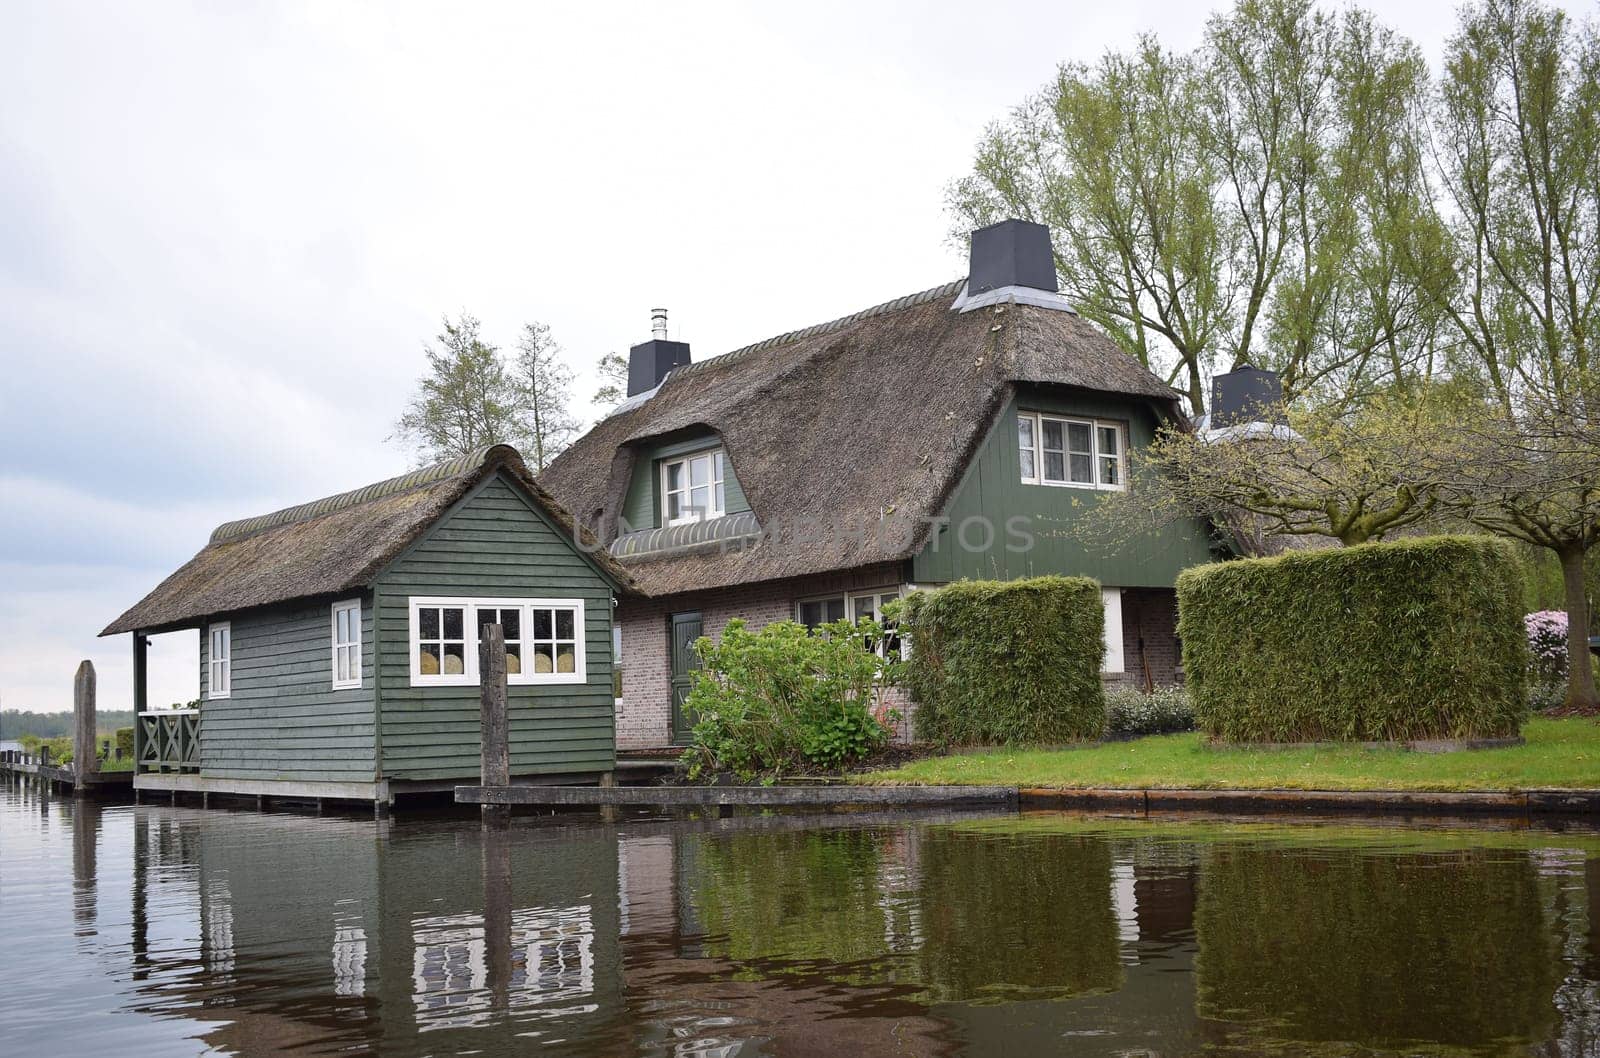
[[494, 544], [992, 488], [641, 508], [283, 719]]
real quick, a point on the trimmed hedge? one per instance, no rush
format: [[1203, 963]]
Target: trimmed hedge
[[1007, 661], [1417, 639], [125, 742]]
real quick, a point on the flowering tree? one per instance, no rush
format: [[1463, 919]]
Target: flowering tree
[[1547, 642]]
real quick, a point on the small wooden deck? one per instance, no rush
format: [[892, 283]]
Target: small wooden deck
[[95, 782], [819, 796]]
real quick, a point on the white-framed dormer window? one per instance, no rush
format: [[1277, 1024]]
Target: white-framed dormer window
[[347, 644], [219, 661], [544, 640], [692, 488], [1076, 453]]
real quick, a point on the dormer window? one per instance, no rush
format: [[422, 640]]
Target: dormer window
[[691, 488]]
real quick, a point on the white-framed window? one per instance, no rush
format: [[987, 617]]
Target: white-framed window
[[857, 606], [544, 640], [692, 488], [347, 644], [509, 617], [1077, 453], [219, 661]]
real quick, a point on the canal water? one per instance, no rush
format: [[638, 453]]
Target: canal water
[[155, 930]]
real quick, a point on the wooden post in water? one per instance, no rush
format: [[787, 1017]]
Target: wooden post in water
[[85, 761], [495, 736]]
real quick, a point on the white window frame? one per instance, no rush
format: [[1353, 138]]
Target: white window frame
[[716, 483], [352, 645], [1096, 456], [877, 595], [223, 665], [469, 676]]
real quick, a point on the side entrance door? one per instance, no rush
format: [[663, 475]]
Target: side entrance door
[[685, 629]]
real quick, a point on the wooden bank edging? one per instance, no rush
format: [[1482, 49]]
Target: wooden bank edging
[[753, 796], [1286, 802]]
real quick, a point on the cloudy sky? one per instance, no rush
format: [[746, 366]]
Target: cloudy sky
[[226, 231]]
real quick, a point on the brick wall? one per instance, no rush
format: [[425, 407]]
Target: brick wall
[[644, 714], [1153, 614]]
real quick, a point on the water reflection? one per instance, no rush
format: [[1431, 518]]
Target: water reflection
[[170, 930], [1449, 948]]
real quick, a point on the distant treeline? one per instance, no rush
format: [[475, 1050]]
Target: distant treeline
[[14, 723]]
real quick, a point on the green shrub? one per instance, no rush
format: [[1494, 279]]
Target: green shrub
[[1130, 711], [1417, 639], [124, 742], [1007, 661], [782, 697]]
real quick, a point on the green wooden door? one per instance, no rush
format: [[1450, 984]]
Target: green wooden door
[[684, 631]]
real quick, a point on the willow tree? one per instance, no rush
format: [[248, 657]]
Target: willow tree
[[1111, 158], [1517, 121], [1261, 199]]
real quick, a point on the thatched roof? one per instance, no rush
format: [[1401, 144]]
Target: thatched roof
[[862, 425], [332, 545]]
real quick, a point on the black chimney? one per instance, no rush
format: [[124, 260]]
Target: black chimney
[[649, 362], [1246, 394], [1013, 253]]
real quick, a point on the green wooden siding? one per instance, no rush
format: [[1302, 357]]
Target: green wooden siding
[[283, 719], [494, 545], [992, 489], [641, 507]]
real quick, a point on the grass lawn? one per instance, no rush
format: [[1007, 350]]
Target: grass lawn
[[1559, 753]]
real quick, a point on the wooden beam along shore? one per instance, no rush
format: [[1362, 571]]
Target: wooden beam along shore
[[753, 796]]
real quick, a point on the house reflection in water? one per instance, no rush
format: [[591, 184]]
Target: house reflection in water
[[860, 935]]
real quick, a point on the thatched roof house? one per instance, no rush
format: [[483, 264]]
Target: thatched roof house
[[822, 471], [338, 638]]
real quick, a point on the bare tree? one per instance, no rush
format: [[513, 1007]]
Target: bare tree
[[544, 383], [1321, 473], [613, 372]]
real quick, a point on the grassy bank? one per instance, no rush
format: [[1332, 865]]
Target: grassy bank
[[1559, 753]]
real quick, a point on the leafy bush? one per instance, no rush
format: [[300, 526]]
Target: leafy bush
[[781, 697], [1007, 661], [1130, 711], [1546, 697], [1417, 639], [124, 743]]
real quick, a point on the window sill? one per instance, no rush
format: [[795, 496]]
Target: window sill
[[567, 679], [1075, 485], [348, 685]]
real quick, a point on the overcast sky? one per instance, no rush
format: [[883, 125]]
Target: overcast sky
[[226, 231]]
